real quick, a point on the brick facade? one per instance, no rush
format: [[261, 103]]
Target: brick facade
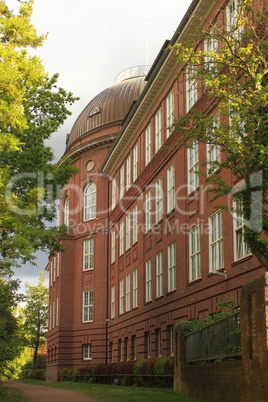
[[154, 287]]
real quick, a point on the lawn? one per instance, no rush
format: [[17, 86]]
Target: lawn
[[116, 393], [10, 394]]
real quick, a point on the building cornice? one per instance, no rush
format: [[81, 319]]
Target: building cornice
[[158, 76]]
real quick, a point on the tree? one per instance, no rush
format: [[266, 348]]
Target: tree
[[9, 323], [32, 107], [233, 69], [36, 316]]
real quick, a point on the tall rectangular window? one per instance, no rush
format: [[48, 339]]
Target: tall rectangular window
[[120, 350], [169, 113], [148, 280], [135, 162], [122, 238], [87, 352], [194, 253], [158, 200], [57, 311], [88, 306], [88, 254], [191, 86], [128, 230], [148, 211], [171, 267], [135, 288], [121, 296], [113, 193], [135, 225], [215, 242], [170, 188], [112, 247], [159, 274], [241, 249], [148, 145], [122, 181], [133, 347], [213, 151], [112, 302], [158, 130], [192, 159], [232, 16], [211, 48], [128, 172], [128, 292]]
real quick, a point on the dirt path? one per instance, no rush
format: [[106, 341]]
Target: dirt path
[[39, 393]]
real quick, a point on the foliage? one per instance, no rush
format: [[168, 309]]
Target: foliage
[[36, 316], [32, 107], [226, 308], [143, 372], [233, 75], [9, 323]]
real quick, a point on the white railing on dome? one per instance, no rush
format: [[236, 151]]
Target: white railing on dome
[[137, 71]]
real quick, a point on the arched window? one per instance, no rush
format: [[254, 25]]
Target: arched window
[[66, 211], [90, 197]]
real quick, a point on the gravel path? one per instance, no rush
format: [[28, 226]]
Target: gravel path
[[39, 393]]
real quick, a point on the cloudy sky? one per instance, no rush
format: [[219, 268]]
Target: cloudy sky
[[89, 43]]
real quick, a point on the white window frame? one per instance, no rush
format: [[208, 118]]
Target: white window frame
[[113, 193], [121, 296], [211, 45], [122, 238], [128, 172], [148, 211], [112, 247], [191, 86], [112, 302], [135, 225], [67, 211], [171, 266], [241, 249], [88, 302], [148, 144], [57, 311], [88, 254], [159, 274], [128, 231], [135, 288], [194, 253], [216, 258], [158, 200], [232, 11], [90, 201], [193, 163], [148, 280], [158, 130], [128, 292], [87, 352], [213, 151], [122, 180], [169, 112], [170, 188], [135, 161]]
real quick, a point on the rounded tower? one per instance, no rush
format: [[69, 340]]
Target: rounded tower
[[78, 275]]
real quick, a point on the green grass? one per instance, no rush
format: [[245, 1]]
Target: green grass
[[118, 393], [8, 394]]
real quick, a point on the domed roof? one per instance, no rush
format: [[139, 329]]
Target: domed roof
[[109, 106]]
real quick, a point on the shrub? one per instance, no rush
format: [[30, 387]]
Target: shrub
[[65, 375], [39, 374]]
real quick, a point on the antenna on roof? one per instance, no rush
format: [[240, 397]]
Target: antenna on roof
[[147, 43]]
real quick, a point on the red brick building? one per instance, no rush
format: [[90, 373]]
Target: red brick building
[[146, 247]]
